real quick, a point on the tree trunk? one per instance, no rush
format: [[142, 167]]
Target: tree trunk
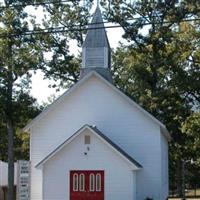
[[10, 131]]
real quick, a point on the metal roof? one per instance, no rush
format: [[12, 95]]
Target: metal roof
[[96, 35]]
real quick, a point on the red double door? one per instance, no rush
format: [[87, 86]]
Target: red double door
[[87, 185]]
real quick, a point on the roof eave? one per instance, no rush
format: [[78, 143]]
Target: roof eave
[[59, 99], [161, 125]]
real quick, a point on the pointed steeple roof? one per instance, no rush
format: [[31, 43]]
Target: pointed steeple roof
[[96, 35], [96, 48]]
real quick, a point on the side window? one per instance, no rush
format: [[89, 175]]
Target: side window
[[82, 182], [75, 182], [98, 182], [92, 182]]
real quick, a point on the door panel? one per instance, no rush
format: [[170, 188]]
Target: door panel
[[87, 185]]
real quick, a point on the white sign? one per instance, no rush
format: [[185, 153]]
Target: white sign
[[23, 180]]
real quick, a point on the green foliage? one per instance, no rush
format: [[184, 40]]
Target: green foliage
[[25, 108], [160, 66], [73, 15], [19, 55], [191, 127]]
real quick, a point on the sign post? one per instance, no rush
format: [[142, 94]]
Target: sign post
[[23, 180]]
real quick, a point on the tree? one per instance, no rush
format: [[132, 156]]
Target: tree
[[191, 127], [18, 56], [24, 109], [159, 69], [73, 15], [22, 54]]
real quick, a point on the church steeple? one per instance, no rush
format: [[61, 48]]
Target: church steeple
[[96, 48]]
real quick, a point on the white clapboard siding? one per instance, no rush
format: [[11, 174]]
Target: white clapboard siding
[[164, 167], [72, 157], [95, 103]]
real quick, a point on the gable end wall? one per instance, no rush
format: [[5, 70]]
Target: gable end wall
[[95, 103]]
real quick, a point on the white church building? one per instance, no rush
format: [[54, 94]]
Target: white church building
[[94, 142]]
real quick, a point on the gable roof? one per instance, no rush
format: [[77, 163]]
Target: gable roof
[[100, 135], [80, 82]]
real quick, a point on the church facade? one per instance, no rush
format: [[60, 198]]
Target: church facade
[[94, 142]]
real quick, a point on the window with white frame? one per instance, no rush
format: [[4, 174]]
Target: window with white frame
[[98, 182], [82, 182], [75, 182], [92, 182]]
